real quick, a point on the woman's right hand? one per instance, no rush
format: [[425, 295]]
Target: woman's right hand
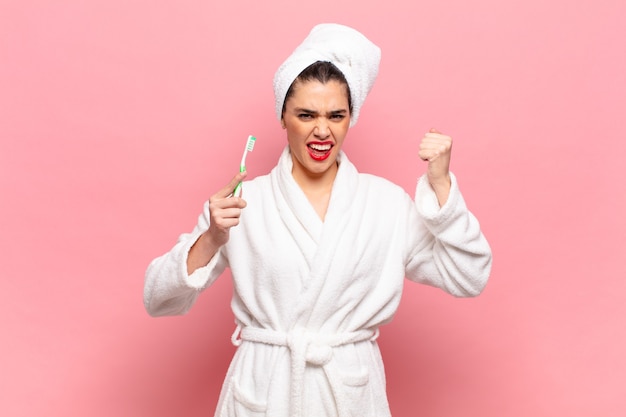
[[225, 210]]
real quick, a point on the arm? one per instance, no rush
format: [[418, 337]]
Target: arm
[[174, 280], [452, 254], [447, 249]]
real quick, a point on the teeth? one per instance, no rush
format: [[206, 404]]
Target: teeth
[[319, 147]]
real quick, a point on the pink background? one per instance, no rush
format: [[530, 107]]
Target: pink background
[[119, 118]]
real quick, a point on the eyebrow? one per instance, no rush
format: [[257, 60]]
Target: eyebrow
[[308, 111]]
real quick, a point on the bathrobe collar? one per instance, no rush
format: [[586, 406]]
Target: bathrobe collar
[[298, 204]]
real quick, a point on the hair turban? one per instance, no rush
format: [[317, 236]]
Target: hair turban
[[349, 50]]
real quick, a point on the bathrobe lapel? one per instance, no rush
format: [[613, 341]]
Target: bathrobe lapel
[[295, 211], [319, 241]]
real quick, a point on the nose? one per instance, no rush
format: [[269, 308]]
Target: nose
[[322, 130]]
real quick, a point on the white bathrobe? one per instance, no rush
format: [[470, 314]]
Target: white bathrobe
[[310, 295]]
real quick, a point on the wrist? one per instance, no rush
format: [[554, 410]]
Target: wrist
[[441, 187], [208, 242], [201, 252], [442, 182]]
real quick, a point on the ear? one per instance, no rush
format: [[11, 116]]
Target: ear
[[282, 123]]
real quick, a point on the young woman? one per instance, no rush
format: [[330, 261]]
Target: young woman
[[318, 251]]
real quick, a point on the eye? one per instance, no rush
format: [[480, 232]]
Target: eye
[[337, 117], [305, 116]]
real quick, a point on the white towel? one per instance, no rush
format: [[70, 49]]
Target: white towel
[[349, 50]]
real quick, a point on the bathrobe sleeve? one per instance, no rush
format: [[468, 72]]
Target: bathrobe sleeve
[[168, 289], [448, 250]]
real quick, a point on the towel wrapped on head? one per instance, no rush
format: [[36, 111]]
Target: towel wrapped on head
[[349, 50]]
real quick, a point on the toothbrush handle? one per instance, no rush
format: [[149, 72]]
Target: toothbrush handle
[[237, 191]]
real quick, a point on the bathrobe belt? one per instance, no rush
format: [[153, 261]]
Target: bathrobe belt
[[307, 348]]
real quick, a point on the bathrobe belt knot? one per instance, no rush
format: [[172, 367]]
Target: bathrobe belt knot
[[307, 348]]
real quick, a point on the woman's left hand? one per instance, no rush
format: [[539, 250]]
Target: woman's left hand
[[436, 148]]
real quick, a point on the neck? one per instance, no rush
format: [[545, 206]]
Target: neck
[[315, 182], [317, 188]]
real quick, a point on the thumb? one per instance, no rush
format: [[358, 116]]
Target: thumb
[[433, 130]]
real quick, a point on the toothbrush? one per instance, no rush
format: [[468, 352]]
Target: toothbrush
[[242, 166]]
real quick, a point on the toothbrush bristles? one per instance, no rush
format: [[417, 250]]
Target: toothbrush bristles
[[250, 145]]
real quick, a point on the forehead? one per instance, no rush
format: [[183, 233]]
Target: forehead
[[315, 93]]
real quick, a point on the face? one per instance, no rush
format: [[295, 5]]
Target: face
[[317, 118]]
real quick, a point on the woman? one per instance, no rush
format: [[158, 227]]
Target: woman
[[319, 252]]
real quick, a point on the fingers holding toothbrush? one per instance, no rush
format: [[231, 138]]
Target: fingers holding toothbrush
[[226, 205], [224, 211]]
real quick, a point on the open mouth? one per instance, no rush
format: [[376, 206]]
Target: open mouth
[[319, 151]]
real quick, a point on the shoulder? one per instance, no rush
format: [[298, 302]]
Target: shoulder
[[382, 186], [259, 181], [382, 194], [256, 187]]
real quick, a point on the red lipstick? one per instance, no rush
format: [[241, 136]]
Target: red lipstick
[[319, 151]]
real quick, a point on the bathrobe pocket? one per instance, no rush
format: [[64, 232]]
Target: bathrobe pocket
[[259, 375], [363, 395], [356, 386], [245, 405]]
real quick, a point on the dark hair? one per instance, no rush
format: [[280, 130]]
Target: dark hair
[[322, 71]]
